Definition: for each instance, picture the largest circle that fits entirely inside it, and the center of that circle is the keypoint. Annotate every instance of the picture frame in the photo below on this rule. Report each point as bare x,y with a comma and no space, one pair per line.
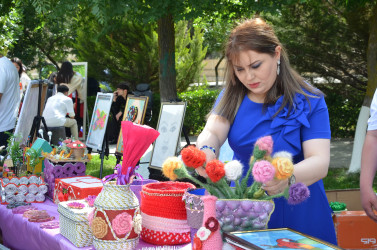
134,111
98,124
82,69
279,238
170,122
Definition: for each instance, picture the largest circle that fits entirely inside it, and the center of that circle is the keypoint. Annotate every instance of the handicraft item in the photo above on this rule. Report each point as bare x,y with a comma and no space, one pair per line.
164,214
74,225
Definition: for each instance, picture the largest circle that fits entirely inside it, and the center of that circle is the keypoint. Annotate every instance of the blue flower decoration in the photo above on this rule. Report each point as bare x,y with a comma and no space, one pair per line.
286,125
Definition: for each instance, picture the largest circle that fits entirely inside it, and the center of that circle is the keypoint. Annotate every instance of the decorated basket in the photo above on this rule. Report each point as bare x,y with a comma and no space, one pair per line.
74,222
233,214
117,221
137,186
56,171
31,189
164,214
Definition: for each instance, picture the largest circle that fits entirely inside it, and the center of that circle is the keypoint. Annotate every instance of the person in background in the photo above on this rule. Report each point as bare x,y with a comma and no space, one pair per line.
75,82
264,96
9,98
57,107
117,109
369,164
24,78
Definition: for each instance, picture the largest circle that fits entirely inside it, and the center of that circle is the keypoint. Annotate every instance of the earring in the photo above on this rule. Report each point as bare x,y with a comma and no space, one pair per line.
278,69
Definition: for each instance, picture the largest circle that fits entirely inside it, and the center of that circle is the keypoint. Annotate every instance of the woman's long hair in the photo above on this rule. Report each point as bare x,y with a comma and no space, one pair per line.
65,73
19,62
257,35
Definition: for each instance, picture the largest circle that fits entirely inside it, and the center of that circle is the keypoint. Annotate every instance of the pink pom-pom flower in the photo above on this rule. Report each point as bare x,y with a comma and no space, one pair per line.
263,171
265,144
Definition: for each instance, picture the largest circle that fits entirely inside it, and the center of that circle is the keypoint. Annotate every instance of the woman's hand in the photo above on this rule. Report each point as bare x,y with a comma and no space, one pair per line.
210,155
275,186
369,203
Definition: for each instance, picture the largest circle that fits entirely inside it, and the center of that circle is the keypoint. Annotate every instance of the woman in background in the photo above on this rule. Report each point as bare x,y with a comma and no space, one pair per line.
24,78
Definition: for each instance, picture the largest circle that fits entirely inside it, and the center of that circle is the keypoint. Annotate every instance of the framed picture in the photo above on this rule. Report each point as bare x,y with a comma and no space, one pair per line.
99,119
134,111
169,125
82,68
280,238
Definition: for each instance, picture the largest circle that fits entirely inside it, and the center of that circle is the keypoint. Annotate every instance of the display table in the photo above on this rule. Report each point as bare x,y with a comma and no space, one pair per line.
20,234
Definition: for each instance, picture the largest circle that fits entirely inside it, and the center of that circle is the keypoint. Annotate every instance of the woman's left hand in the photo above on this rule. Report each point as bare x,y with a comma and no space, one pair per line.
275,186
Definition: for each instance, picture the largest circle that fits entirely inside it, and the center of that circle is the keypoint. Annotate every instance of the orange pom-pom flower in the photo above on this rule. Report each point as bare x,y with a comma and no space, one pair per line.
193,157
215,170
168,167
283,166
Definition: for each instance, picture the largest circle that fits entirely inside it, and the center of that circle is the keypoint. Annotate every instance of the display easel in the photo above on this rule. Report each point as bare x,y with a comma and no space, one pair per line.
102,153
38,118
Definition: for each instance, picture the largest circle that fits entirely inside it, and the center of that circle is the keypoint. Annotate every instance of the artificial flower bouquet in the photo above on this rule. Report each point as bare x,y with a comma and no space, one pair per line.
263,167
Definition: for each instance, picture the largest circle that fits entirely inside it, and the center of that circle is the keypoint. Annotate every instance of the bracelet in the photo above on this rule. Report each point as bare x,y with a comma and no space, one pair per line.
211,148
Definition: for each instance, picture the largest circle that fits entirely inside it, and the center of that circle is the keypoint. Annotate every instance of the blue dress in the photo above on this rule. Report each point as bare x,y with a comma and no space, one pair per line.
309,121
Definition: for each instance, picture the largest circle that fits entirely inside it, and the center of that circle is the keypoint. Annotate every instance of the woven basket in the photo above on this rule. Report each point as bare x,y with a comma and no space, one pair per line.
115,200
74,224
164,213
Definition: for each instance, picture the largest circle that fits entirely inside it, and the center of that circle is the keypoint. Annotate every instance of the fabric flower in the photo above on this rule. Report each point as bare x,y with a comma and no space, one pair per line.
193,157
283,154
298,192
212,224
203,233
283,167
168,167
265,144
263,171
137,223
215,170
285,124
233,170
99,227
197,244
122,223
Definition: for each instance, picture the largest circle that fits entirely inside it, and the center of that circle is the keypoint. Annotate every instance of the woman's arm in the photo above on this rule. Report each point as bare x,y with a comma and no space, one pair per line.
213,135
313,168
368,172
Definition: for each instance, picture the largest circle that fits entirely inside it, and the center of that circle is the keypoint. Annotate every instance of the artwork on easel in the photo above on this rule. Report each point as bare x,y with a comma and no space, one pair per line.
134,111
99,120
169,125
29,109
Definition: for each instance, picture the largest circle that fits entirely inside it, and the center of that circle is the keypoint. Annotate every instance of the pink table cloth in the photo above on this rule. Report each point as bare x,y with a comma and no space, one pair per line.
20,234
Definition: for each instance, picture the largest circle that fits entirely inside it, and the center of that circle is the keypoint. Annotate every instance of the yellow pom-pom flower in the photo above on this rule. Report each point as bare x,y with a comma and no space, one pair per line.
169,165
283,166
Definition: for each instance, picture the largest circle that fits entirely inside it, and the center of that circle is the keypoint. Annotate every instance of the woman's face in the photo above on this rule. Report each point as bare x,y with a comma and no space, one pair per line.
257,72
17,67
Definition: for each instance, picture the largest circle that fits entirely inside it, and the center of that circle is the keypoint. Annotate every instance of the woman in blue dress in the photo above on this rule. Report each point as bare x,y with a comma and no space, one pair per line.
265,96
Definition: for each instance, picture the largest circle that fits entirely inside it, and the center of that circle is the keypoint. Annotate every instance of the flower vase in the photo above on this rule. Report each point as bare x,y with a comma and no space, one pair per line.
116,222
236,214
194,210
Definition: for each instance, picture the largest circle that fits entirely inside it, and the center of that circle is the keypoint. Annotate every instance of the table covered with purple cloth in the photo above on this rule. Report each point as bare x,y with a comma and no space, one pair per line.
20,234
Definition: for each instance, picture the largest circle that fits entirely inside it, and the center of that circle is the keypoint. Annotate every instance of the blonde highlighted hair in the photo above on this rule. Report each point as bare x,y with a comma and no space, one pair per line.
255,34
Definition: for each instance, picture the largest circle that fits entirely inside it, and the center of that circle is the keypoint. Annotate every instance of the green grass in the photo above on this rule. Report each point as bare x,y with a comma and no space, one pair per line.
93,167
339,178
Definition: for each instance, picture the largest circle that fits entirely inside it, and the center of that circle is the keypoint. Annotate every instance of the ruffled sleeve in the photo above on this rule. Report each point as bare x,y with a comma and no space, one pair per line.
286,125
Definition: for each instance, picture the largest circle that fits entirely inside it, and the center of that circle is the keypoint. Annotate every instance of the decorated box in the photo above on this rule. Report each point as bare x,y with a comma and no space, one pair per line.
74,225
58,170
76,188
24,189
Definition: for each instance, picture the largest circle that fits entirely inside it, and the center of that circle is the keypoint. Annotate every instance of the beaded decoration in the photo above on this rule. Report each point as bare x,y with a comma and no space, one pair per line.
23,209
76,205
208,147
49,225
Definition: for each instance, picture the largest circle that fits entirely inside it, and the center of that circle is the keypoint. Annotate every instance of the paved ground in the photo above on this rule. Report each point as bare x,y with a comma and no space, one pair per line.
341,150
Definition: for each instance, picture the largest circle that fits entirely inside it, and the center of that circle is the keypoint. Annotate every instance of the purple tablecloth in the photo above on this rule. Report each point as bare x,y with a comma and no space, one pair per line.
19,234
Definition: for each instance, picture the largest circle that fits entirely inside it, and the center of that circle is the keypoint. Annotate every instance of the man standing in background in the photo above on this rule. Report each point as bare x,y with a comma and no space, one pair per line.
9,98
